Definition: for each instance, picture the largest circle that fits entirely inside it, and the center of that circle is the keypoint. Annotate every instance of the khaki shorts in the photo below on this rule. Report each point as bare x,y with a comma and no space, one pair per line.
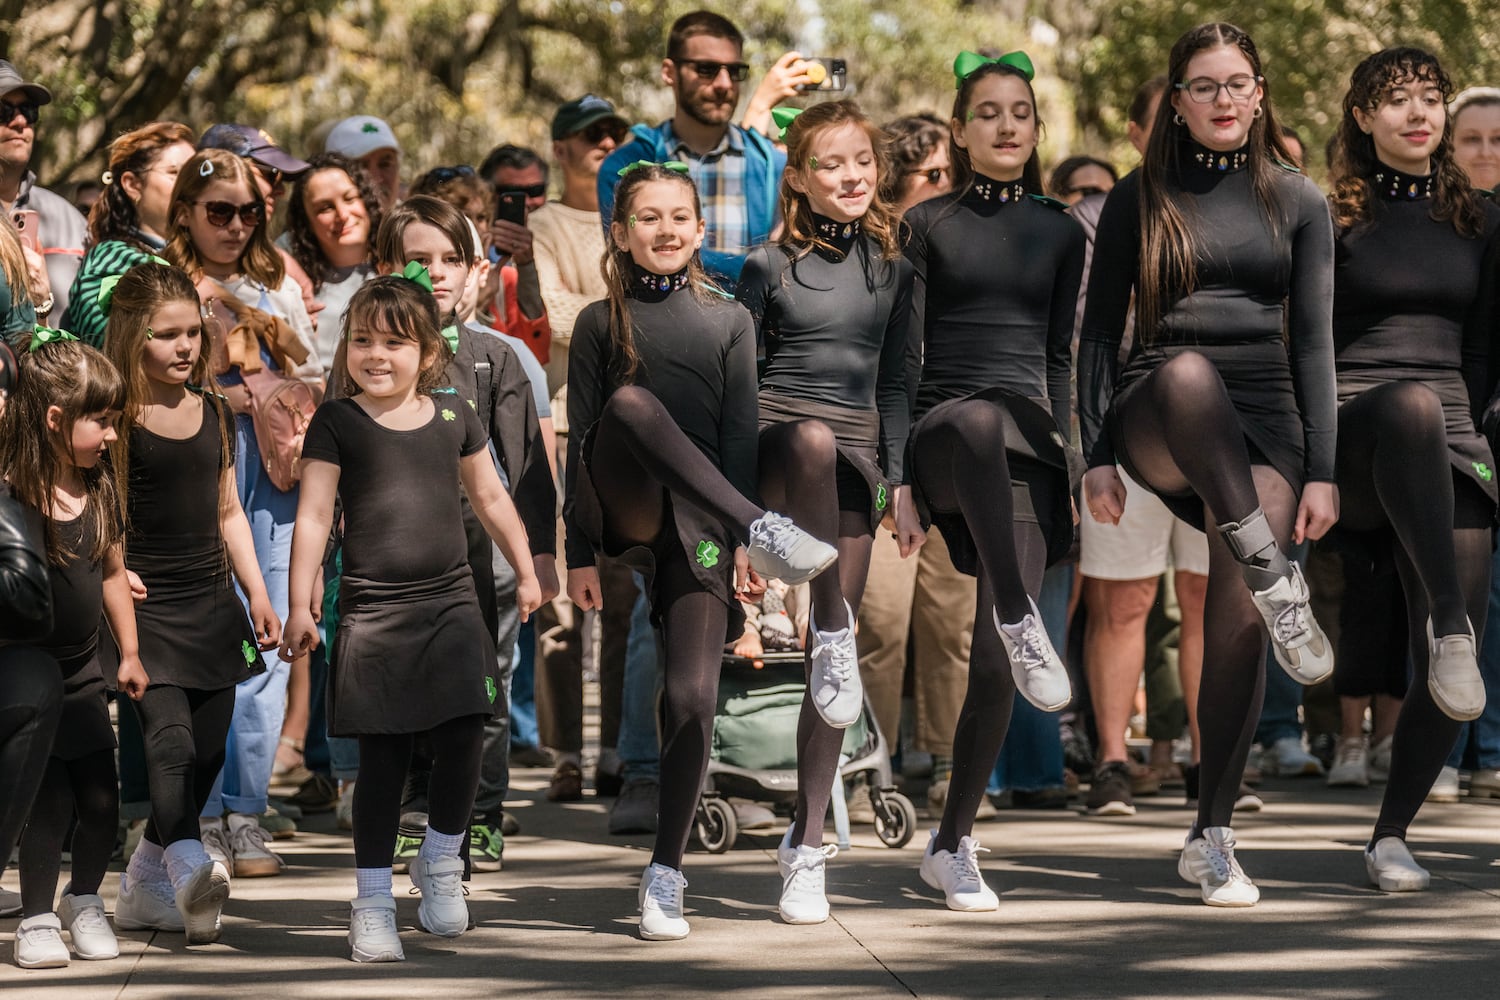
1148,539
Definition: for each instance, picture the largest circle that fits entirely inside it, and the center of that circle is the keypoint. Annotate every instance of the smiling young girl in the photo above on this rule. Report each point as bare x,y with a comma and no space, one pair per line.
831,303
661,397
53,436
412,654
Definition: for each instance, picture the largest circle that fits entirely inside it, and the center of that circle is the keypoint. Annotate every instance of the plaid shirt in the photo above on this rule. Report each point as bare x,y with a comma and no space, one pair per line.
720,176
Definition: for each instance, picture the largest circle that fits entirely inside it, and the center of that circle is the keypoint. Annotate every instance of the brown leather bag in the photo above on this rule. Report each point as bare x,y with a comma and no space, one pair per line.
280,409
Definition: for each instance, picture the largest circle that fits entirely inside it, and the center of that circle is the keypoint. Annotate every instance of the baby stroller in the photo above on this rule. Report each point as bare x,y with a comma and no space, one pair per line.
754,752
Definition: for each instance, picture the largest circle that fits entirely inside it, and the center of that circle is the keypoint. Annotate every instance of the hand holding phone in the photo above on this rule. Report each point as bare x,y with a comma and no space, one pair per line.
825,74
28,223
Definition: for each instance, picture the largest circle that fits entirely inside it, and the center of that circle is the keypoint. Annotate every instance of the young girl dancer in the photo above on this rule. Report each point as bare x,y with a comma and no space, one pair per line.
1412,353
831,303
661,396
988,461
1228,252
54,434
412,655
174,469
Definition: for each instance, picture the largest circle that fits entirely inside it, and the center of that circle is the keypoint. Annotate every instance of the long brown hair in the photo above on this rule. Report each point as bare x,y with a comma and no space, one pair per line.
81,382
397,305
1169,247
1354,157
114,215
881,220
260,261
960,165
617,260
13,261
304,245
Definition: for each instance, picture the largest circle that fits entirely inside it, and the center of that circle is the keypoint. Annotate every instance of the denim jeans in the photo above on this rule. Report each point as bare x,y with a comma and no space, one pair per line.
639,747
1478,745
523,730
1031,757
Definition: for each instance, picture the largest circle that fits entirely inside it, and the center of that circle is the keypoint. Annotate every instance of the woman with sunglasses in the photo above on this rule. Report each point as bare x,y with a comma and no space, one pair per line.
919,161
218,236
1225,406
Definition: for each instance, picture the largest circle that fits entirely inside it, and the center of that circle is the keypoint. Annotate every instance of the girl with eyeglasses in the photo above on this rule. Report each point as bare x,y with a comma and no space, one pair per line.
1225,406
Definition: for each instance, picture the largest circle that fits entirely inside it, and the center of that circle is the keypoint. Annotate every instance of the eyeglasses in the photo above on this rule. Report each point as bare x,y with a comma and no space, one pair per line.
270,175
28,110
738,71
220,213
599,131
934,175
534,191
1205,90
441,175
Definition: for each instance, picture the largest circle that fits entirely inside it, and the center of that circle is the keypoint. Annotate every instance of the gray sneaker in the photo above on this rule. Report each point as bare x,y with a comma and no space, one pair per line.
779,550
635,810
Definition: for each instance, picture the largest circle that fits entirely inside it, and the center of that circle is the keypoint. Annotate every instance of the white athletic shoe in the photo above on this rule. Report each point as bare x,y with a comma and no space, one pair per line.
1445,788
1453,675
1391,867
1351,764
803,898
1380,759
442,911
837,692
1286,758
660,902
372,930
10,903
1039,674
83,918
779,550
215,839
200,901
1209,863
956,873
1298,641
147,905
39,943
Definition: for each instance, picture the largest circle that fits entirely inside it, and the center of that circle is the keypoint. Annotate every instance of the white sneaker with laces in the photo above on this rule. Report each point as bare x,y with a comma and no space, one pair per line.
372,930
1445,788
779,550
1208,862
147,905
1453,674
83,918
660,902
1391,867
39,943
956,873
1286,758
803,897
200,901
253,857
442,911
1351,764
837,692
1298,641
1039,674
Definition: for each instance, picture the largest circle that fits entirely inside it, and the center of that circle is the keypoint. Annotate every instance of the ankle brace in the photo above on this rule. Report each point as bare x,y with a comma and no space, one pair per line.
1254,547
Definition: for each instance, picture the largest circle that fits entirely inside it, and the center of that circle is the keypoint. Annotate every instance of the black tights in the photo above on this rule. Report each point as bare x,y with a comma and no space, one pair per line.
799,478
383,762
1179,432
183,731
86,786
30,705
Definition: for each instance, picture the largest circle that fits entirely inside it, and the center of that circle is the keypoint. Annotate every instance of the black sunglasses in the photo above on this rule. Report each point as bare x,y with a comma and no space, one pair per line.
219,213
28,110
599,131
738,71
534,191
271,175
933,174
442,175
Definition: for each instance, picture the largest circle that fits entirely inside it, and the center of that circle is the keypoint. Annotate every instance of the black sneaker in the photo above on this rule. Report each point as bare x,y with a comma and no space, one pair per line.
1109,792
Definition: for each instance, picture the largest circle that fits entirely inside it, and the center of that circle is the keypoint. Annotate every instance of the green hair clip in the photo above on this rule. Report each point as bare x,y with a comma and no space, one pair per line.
968,63
783,117
417,274
674,165
47,335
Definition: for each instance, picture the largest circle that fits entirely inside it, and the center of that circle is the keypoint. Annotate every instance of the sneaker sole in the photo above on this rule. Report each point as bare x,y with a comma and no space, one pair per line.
1445,798
1207,892
1458,713
1483,792
800,921
256,868
446,930
396,955
792,581
1397,883
60,962
203,906
486,864
1113,808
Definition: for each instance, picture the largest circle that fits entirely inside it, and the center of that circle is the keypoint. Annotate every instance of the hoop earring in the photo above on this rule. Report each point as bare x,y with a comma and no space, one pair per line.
1178,120
1257,112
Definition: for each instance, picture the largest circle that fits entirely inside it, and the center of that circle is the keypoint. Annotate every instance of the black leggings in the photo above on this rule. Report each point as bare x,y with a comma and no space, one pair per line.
799,477
85,786
183,731
30,705
961,465
1179,433
383,761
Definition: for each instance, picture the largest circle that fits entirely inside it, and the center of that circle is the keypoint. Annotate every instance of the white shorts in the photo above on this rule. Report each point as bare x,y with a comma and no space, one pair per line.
1148,539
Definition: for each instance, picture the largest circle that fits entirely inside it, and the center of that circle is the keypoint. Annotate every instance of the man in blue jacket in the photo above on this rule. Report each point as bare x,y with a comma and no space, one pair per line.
738,171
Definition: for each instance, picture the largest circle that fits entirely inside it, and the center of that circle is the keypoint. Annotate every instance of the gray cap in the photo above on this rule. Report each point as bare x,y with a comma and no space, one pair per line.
11,79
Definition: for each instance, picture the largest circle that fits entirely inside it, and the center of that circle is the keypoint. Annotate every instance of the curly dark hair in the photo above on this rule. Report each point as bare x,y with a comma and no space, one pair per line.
305,246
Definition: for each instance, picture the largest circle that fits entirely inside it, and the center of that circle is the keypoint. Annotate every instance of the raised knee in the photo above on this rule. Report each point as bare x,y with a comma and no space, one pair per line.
172,746
1189,373
630,404
811,441
1411,408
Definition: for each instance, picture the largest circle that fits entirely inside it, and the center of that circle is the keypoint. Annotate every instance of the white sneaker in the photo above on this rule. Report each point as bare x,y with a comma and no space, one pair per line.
343,813
1445,788
39,943
147,905
1391,867
200,901
837,692
1298,641
1286,758
660,902
253,857
779,550
216,842
1209,863
1453,675
957,874
83,917
1039,674
10,903
1380,759
442,911
1351,764
803,899
372,930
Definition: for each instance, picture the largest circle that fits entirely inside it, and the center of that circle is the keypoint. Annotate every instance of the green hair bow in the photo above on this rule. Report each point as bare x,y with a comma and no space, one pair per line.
967,62
47,335
108,282
417,274
783,117
675,165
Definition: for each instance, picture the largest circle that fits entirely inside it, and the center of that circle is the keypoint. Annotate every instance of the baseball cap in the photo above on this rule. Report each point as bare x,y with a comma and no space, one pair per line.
359,136
11,79
575,116
255,144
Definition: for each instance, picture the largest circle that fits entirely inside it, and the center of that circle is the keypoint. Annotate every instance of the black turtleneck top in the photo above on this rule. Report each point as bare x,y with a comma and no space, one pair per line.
832,324
1260,309
995,289
697,356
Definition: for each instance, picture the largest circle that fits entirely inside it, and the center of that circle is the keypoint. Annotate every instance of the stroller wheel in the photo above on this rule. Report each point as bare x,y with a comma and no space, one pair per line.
895,819
717,828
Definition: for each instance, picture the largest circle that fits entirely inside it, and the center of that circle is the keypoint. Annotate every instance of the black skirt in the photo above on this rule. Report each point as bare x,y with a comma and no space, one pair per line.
862,487
195,635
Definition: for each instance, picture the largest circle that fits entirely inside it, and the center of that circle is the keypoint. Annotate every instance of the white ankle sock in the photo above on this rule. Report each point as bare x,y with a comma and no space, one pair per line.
183,857
147,863
440,845
373,881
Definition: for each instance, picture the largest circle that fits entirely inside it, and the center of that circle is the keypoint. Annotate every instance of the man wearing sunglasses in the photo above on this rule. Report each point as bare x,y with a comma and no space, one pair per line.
737,170
61,230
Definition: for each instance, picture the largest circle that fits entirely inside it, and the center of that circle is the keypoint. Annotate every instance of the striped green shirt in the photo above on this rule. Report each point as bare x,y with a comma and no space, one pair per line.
83,318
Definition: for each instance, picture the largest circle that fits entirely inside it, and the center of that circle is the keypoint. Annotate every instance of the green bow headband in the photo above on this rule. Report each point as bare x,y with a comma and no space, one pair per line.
47,335
968,62
108,282
783,117
675,165
417,274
